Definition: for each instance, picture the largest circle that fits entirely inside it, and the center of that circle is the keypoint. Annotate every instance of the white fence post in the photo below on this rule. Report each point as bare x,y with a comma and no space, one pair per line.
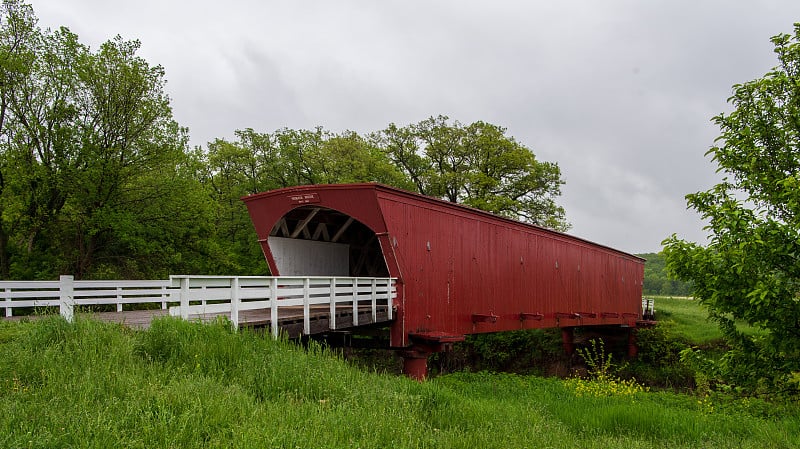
389,291
66,297
355,301
119,299
374,293
9,309
273,306
185,298
164,294
235,303
306,308
332,320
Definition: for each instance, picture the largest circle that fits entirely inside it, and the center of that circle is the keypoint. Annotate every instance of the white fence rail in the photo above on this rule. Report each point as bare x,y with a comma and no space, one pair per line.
67,293
191,296
206,295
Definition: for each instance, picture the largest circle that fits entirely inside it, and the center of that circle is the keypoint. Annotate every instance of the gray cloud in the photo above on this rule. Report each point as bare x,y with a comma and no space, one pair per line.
620,94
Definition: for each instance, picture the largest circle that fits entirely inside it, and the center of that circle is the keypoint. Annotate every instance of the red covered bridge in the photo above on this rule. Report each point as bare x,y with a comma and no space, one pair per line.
459,270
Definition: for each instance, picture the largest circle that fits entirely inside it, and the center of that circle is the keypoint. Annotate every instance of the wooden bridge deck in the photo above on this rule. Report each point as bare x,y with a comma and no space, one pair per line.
290,319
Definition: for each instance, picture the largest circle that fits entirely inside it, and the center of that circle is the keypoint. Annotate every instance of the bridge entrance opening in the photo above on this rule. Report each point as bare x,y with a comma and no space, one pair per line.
317,241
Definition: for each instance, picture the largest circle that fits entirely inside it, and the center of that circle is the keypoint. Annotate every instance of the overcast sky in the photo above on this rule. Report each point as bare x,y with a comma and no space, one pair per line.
619,93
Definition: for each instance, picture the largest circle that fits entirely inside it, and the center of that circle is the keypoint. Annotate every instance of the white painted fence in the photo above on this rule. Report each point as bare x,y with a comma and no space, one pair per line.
206,295
192,296
67,293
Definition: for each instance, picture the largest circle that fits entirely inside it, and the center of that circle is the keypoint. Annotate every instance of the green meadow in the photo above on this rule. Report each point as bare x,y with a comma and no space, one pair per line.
690,319
180,384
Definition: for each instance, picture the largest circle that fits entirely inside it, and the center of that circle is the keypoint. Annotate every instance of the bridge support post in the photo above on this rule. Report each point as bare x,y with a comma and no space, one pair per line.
633,348
415,357
568,339
415,364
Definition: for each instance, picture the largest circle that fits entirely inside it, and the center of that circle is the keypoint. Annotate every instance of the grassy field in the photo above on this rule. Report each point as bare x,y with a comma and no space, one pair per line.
180,384
690,319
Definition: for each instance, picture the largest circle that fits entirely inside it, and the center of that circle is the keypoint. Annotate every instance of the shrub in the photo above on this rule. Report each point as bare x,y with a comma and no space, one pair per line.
659,362
602,374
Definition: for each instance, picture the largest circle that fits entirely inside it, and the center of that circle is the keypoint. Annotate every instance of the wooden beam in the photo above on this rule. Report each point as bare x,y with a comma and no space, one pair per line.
341,230
484,318
302,225
321,231
280,226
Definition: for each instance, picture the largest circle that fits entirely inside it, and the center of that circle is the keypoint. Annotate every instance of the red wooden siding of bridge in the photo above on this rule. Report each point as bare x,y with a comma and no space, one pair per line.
459,270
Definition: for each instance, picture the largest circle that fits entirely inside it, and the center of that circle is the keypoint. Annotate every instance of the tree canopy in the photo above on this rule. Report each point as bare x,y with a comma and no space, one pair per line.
750,269
92,164
477,165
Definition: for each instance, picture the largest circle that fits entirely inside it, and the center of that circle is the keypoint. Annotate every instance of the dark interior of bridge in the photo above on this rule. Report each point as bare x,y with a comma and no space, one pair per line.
327,225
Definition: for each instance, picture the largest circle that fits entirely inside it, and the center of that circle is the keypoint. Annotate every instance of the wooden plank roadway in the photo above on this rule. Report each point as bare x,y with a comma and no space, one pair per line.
290,319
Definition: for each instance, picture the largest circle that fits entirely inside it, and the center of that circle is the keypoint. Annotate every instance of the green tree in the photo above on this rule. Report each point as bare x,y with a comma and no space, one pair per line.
750,269
290,157
348,158
403,148
125,178
18,35
39,142
231,172
95,175
477,165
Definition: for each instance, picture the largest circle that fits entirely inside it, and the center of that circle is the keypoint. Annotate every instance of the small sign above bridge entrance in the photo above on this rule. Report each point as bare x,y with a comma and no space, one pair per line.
305,198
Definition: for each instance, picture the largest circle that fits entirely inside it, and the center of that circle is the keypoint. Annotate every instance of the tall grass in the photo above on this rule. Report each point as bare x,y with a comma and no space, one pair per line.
181,384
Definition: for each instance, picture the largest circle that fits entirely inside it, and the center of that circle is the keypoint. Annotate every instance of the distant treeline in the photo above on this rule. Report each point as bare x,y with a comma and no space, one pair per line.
656,280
